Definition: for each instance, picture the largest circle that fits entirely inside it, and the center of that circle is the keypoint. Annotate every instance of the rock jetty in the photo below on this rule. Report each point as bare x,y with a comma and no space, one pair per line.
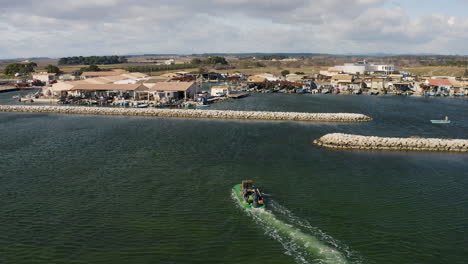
348,141
189,113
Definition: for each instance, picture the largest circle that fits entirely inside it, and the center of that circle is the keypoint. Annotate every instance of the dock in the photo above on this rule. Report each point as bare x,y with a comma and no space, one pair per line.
8,89
238,95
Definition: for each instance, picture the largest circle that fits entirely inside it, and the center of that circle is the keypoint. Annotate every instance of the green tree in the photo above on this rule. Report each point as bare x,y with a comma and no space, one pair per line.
215,60
52,69
285,72
300,73
23,68
196,61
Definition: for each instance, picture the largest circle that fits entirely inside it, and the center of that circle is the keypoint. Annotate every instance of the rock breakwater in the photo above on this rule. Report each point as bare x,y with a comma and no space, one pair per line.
188,113
348,141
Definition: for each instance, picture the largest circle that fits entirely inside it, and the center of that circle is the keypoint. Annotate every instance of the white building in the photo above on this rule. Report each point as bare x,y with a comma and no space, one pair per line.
220,90
351,68
294,77
44,77
173,90
169,62
363,67
382,68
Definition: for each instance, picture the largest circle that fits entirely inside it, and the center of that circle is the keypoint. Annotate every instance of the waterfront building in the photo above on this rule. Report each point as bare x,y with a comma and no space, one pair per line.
220,90
173,90
44,77
108,90
336,80
67,77
169,62
294,77
256,79
87,75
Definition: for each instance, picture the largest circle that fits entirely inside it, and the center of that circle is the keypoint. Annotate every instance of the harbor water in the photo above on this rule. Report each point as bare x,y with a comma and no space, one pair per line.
113,189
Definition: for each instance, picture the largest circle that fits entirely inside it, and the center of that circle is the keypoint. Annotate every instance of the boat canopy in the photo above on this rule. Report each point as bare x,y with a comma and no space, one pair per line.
247,184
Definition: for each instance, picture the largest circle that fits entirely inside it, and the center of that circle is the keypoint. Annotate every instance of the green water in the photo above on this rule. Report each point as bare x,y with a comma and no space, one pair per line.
97,189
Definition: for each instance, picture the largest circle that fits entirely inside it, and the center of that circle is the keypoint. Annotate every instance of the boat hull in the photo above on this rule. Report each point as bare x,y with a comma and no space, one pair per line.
440,122
237,192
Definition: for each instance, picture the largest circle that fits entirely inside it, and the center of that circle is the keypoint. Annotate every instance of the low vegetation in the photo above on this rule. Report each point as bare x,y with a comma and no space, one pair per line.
90,68
210,61
160,68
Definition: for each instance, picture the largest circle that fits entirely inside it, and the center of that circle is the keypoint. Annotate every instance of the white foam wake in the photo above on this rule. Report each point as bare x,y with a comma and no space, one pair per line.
300,240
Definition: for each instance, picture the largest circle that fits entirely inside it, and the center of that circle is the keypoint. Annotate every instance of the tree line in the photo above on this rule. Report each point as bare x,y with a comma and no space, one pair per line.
92,60
210,61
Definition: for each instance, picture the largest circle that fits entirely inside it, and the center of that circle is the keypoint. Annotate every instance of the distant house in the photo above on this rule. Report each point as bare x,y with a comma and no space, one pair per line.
169,62
173,90
338,79
256,79
44,77
87,75
153,80
132,78
330,73
436,87
294,77
57,89
67,77
120,78
441,83
220,90
270,77
459,87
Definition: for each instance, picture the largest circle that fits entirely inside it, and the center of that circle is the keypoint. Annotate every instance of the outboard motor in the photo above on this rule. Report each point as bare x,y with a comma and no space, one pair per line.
255,201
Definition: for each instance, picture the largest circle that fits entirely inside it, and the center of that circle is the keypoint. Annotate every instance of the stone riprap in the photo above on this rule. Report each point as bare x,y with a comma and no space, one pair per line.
189,113
348,141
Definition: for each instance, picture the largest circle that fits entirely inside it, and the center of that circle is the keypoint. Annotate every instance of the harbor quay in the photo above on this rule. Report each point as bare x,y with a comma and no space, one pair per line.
348,141
190,113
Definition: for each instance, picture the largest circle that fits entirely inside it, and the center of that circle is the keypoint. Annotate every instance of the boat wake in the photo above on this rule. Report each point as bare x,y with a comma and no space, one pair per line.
300,240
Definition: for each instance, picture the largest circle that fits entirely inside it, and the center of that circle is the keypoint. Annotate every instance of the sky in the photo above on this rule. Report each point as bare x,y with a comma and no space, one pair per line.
58,28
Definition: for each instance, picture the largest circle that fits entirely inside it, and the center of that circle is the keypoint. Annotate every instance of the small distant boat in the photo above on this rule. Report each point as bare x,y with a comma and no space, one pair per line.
202,106
248,195
141,106
445,121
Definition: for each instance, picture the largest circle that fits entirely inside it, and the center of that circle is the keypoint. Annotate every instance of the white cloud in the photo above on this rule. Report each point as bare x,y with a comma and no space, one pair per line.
66,27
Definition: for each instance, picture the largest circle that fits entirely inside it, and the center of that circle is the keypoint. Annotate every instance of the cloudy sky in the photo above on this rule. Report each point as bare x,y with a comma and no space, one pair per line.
57,28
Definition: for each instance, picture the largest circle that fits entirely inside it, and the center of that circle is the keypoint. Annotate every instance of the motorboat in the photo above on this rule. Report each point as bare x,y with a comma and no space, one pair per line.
248,195
445,121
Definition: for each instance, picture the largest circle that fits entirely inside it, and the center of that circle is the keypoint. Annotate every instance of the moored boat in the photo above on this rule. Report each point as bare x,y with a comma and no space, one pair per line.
248,195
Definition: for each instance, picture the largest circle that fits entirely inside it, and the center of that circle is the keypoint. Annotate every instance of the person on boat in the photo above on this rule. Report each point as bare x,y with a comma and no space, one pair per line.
251,198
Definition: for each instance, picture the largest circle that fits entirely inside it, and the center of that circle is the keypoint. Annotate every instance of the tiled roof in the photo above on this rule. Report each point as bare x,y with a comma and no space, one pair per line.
108,87
172,86
101,73
439,82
